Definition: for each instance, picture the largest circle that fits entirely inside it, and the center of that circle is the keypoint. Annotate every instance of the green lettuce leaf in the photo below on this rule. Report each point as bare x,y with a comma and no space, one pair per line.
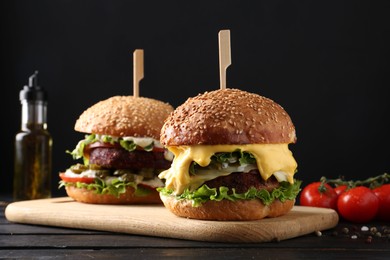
128,145
116,187
78,152
285,191
234,157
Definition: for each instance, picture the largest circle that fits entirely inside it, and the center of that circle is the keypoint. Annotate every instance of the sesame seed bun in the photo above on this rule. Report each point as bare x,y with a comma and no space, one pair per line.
89,196
226,210
125,116
228,116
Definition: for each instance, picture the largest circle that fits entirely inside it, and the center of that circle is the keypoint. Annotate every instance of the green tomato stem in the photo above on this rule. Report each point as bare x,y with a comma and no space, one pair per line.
371,182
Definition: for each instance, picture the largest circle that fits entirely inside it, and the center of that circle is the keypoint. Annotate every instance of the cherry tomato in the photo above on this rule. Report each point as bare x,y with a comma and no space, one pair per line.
340,189
358,204
383,194
76,179
312,196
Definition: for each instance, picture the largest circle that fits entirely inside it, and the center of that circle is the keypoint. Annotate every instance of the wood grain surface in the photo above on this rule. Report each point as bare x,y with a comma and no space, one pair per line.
155,220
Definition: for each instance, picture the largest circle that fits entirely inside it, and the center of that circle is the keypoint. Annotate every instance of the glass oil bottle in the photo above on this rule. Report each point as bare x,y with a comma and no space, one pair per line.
33,145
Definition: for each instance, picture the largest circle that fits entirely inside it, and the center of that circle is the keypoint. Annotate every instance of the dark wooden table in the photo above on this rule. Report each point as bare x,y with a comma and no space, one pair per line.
347,241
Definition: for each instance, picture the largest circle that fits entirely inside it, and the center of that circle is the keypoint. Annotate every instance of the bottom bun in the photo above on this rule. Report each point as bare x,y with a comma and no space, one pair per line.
227,210
89,196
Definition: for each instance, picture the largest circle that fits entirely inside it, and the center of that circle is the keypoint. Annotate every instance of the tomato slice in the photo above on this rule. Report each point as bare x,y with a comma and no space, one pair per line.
158,149
146,186
76,179
102,144
117,145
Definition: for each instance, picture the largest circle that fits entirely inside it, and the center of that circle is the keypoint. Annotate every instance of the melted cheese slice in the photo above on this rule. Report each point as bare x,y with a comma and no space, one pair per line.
270,158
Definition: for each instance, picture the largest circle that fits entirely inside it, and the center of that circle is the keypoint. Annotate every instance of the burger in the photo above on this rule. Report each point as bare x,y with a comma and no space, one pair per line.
231,158
121,152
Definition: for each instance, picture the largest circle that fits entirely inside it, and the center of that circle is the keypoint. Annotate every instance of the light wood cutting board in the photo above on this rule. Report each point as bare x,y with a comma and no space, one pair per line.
155,220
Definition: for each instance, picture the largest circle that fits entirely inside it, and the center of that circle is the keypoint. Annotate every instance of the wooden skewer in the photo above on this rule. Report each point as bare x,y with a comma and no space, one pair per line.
224,55
138,70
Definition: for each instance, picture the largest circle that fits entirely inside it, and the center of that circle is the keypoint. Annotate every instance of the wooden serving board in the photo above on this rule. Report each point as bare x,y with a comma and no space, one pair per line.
155,220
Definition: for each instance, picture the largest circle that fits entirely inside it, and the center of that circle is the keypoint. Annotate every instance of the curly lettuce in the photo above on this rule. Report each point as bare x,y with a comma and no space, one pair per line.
237,156
285,191
116,187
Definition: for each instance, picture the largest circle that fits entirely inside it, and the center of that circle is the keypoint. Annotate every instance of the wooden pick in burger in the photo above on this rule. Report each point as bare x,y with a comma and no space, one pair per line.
138,70
224,55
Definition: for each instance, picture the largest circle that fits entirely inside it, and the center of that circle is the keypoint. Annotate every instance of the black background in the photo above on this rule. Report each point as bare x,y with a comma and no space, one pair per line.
325,62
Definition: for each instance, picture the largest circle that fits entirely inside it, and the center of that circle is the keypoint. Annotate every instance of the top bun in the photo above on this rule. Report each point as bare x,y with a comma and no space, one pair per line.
125,116
228,116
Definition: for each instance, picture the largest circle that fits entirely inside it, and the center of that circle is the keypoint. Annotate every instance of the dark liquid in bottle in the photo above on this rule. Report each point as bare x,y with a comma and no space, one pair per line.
32,164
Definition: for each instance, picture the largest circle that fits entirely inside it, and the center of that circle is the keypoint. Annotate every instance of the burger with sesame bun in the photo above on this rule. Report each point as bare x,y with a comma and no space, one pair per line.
231,158
121,153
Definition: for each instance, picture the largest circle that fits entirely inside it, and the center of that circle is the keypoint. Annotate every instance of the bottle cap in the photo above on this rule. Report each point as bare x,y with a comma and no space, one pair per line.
33,92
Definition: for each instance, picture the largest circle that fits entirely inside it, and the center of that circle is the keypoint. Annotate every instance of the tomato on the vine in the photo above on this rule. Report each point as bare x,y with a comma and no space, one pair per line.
76,179
358,204
318,194
383,194
340,189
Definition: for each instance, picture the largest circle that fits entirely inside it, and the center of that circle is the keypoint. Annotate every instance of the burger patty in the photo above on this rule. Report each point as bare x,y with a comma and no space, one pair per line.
242,182
119,158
